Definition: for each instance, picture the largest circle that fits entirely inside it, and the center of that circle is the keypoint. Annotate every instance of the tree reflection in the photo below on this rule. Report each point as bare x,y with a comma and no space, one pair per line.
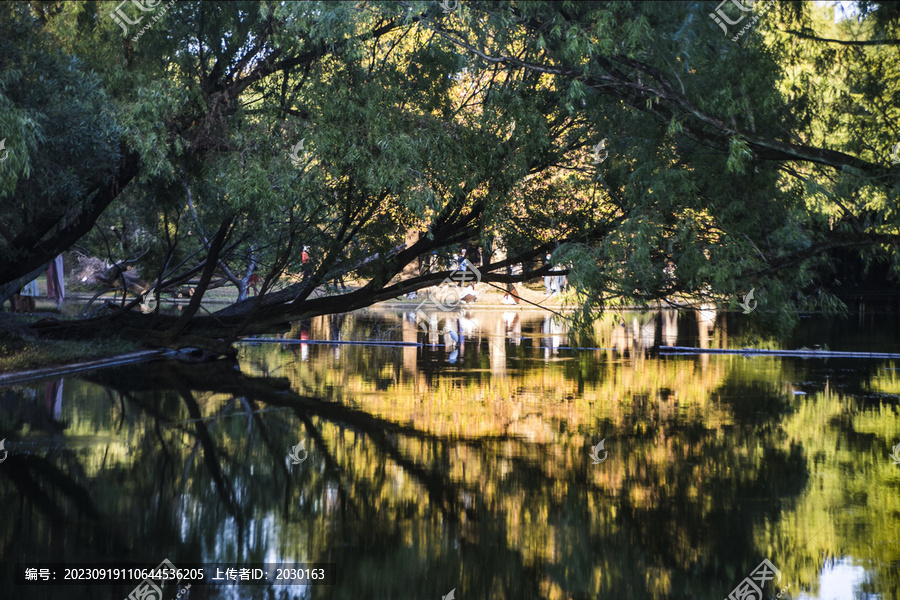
424,476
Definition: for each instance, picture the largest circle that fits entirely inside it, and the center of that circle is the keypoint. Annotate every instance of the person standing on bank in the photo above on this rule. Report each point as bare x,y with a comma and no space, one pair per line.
463,264
548,280
304,259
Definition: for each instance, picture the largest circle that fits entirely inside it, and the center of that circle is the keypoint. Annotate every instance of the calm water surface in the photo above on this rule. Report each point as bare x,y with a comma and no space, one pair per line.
468,466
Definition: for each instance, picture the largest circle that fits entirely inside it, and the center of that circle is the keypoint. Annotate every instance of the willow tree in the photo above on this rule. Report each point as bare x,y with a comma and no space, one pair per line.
631,139
62,160
215,126
737,162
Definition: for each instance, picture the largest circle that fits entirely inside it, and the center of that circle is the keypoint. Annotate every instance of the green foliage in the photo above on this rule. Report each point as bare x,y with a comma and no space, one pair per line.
728,166
59,127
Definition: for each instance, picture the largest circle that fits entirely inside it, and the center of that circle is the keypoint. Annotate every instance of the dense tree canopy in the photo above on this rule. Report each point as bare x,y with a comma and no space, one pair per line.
632,139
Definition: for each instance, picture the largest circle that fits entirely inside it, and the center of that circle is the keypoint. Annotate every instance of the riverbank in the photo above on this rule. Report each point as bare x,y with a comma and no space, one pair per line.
20,350
20,376
21,353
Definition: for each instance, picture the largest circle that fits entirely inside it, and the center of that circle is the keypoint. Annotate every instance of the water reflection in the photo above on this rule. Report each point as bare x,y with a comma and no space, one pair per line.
622,333
463,462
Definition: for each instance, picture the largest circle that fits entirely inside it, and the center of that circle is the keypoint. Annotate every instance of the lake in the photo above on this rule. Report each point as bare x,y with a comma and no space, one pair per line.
500,464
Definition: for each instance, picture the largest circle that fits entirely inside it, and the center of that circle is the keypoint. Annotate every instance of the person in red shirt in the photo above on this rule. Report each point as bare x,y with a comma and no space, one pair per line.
304,257
253,283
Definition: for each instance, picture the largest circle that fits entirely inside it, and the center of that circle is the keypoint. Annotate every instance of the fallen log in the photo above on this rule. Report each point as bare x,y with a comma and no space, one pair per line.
18,377
759,352
325,342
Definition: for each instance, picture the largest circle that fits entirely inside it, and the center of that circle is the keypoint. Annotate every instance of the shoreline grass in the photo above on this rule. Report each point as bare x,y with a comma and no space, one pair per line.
21,350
